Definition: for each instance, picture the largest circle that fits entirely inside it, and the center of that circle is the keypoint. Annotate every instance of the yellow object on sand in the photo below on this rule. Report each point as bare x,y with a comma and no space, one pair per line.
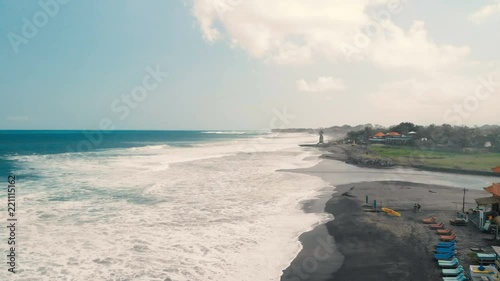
482,271
391,212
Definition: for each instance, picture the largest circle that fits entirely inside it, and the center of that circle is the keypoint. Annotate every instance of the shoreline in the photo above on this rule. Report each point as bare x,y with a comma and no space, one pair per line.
373,252
353,156
358,245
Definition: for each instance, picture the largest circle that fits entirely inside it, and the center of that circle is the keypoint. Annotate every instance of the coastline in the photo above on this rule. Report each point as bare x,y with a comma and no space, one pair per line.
359,245
354,156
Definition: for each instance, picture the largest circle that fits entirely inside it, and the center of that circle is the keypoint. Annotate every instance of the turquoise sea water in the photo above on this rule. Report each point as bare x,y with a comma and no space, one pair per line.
157,205
26,142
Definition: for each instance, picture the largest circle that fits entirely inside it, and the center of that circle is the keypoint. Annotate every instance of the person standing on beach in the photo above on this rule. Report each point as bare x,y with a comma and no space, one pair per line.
415,208
418,207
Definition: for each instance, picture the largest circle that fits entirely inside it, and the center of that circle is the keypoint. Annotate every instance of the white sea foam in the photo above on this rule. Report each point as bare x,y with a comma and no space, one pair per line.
150,147
224,132
216,211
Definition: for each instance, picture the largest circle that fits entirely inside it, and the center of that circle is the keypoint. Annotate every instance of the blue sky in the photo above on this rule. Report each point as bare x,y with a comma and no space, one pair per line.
235,68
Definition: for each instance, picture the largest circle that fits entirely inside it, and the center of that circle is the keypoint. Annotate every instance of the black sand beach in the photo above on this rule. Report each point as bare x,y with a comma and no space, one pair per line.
360,245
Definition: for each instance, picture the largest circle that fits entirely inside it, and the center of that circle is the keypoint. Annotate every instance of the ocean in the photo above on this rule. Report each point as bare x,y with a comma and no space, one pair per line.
157,205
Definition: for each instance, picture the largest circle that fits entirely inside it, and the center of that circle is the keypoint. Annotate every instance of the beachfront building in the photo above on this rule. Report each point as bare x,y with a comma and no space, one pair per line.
496,169
485,206
377,138
389,138
488,209
393,134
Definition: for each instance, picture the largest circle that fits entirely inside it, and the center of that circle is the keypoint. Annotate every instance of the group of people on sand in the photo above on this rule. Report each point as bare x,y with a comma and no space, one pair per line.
416,207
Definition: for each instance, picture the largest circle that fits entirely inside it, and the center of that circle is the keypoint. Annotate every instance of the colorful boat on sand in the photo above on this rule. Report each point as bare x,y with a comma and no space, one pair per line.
391,212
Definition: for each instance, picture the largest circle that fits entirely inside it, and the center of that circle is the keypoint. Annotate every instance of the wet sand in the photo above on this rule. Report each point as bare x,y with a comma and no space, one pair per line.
360,245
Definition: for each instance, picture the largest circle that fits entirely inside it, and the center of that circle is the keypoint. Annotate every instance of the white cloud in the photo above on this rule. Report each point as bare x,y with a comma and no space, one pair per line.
484,13
443,98
409,93
205,12
322,84
302,32
413,49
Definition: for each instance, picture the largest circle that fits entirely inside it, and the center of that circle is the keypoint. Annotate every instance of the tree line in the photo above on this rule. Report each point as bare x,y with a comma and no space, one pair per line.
437,135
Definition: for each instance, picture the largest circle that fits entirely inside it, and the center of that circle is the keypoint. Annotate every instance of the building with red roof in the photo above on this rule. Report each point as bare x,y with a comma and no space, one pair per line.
393,134
494,189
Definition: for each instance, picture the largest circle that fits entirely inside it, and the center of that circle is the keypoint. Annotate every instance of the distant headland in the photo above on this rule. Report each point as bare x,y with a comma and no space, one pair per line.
443,148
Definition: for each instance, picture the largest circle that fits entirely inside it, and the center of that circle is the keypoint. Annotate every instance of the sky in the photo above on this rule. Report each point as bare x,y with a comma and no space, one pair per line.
247,64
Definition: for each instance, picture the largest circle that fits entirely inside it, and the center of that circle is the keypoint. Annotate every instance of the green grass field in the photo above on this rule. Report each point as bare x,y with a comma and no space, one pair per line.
442,159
